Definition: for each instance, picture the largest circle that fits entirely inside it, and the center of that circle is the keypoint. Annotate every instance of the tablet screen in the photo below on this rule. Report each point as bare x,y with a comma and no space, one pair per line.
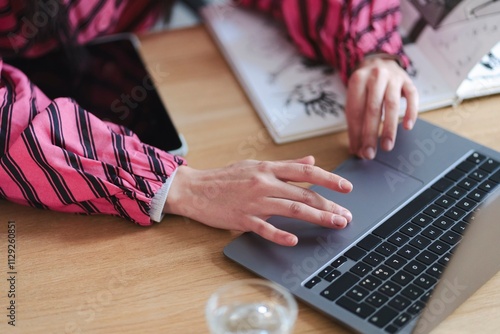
107,78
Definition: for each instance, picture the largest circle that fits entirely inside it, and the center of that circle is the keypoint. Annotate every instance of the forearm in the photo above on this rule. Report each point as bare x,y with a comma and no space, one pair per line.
339,32
57,156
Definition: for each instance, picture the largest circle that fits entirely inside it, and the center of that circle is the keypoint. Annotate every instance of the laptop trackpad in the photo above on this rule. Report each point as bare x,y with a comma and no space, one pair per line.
378,189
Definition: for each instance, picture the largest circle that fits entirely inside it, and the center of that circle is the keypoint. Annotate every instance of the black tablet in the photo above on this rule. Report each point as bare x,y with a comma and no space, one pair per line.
109,79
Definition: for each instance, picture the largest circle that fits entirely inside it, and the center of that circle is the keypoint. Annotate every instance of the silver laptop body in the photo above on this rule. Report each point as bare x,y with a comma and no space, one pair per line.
387,204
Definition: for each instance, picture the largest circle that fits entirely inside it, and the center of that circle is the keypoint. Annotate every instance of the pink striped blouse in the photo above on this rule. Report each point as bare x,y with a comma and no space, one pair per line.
55,155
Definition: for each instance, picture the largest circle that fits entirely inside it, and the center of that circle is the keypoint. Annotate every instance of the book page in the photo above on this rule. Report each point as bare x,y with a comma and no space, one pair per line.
467,33
294,97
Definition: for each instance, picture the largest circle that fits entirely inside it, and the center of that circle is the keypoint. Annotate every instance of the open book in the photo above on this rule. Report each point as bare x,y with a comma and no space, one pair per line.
454,56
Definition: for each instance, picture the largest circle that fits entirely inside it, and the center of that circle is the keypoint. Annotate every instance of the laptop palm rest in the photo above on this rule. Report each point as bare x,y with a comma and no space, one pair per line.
378,190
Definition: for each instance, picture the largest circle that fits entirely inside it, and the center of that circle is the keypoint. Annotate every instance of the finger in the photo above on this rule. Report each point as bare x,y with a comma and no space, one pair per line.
411,94
372,116
271,233
296,172
354,107
301,211
392,106
307,197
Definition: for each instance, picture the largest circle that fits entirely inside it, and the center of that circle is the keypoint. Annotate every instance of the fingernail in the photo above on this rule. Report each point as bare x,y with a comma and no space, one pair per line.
369,153
292,240
409,124
345,185
347,214
387,144
339,221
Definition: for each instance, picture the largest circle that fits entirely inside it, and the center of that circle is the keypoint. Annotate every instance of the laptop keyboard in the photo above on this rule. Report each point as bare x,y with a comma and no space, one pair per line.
387,277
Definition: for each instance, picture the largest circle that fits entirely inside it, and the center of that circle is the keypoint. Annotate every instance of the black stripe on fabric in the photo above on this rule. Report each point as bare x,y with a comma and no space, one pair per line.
155,163
304,14
89,18
378,17
6,115
2,194
16,174
85,133
384,39
7,9
141,16
112,177
355,11
53,177
320,23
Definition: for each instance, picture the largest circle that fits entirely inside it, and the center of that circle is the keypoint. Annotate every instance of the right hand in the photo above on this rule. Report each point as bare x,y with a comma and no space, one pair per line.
243,195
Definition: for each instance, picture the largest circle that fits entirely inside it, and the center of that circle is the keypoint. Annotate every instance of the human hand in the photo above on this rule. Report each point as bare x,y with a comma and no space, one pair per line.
374,91
243,195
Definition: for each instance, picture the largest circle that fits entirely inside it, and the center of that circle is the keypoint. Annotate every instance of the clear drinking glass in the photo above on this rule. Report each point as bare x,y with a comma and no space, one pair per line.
251,306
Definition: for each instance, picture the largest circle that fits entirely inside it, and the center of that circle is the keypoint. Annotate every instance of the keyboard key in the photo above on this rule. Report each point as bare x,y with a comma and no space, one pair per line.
410,229
409,210
312,282
373,259
416,308
325,271
443,223
383,316
455,174
377,299
389,288
487,185
402,278
399,302
436,270
425,281
369,242
339,286
433,210
478,175
489,165
338,262
467,184
477,195
362,310
398,239
432,232
361,269
395,262
496,177
439,247
402,320
355,253
414,267
466,204
466,166
451,237
386,249
456,192
408,252
427,257
420,242
412,292
358,293
445,201
370,282
455,213
442,185
383,272
459,227
332,275
476,158
445,259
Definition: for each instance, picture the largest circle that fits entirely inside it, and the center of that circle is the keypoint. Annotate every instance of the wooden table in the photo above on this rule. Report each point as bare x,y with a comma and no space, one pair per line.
99,274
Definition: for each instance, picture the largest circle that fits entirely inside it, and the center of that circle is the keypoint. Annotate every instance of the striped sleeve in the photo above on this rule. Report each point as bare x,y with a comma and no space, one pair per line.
339,32
55,155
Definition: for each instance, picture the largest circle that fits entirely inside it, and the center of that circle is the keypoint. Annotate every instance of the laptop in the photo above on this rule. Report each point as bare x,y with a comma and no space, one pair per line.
417,211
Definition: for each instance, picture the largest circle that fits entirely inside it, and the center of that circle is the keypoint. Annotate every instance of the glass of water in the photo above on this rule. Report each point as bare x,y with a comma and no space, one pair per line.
251,306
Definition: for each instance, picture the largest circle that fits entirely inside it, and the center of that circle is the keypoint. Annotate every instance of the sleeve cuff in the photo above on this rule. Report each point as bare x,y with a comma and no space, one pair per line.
158,202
